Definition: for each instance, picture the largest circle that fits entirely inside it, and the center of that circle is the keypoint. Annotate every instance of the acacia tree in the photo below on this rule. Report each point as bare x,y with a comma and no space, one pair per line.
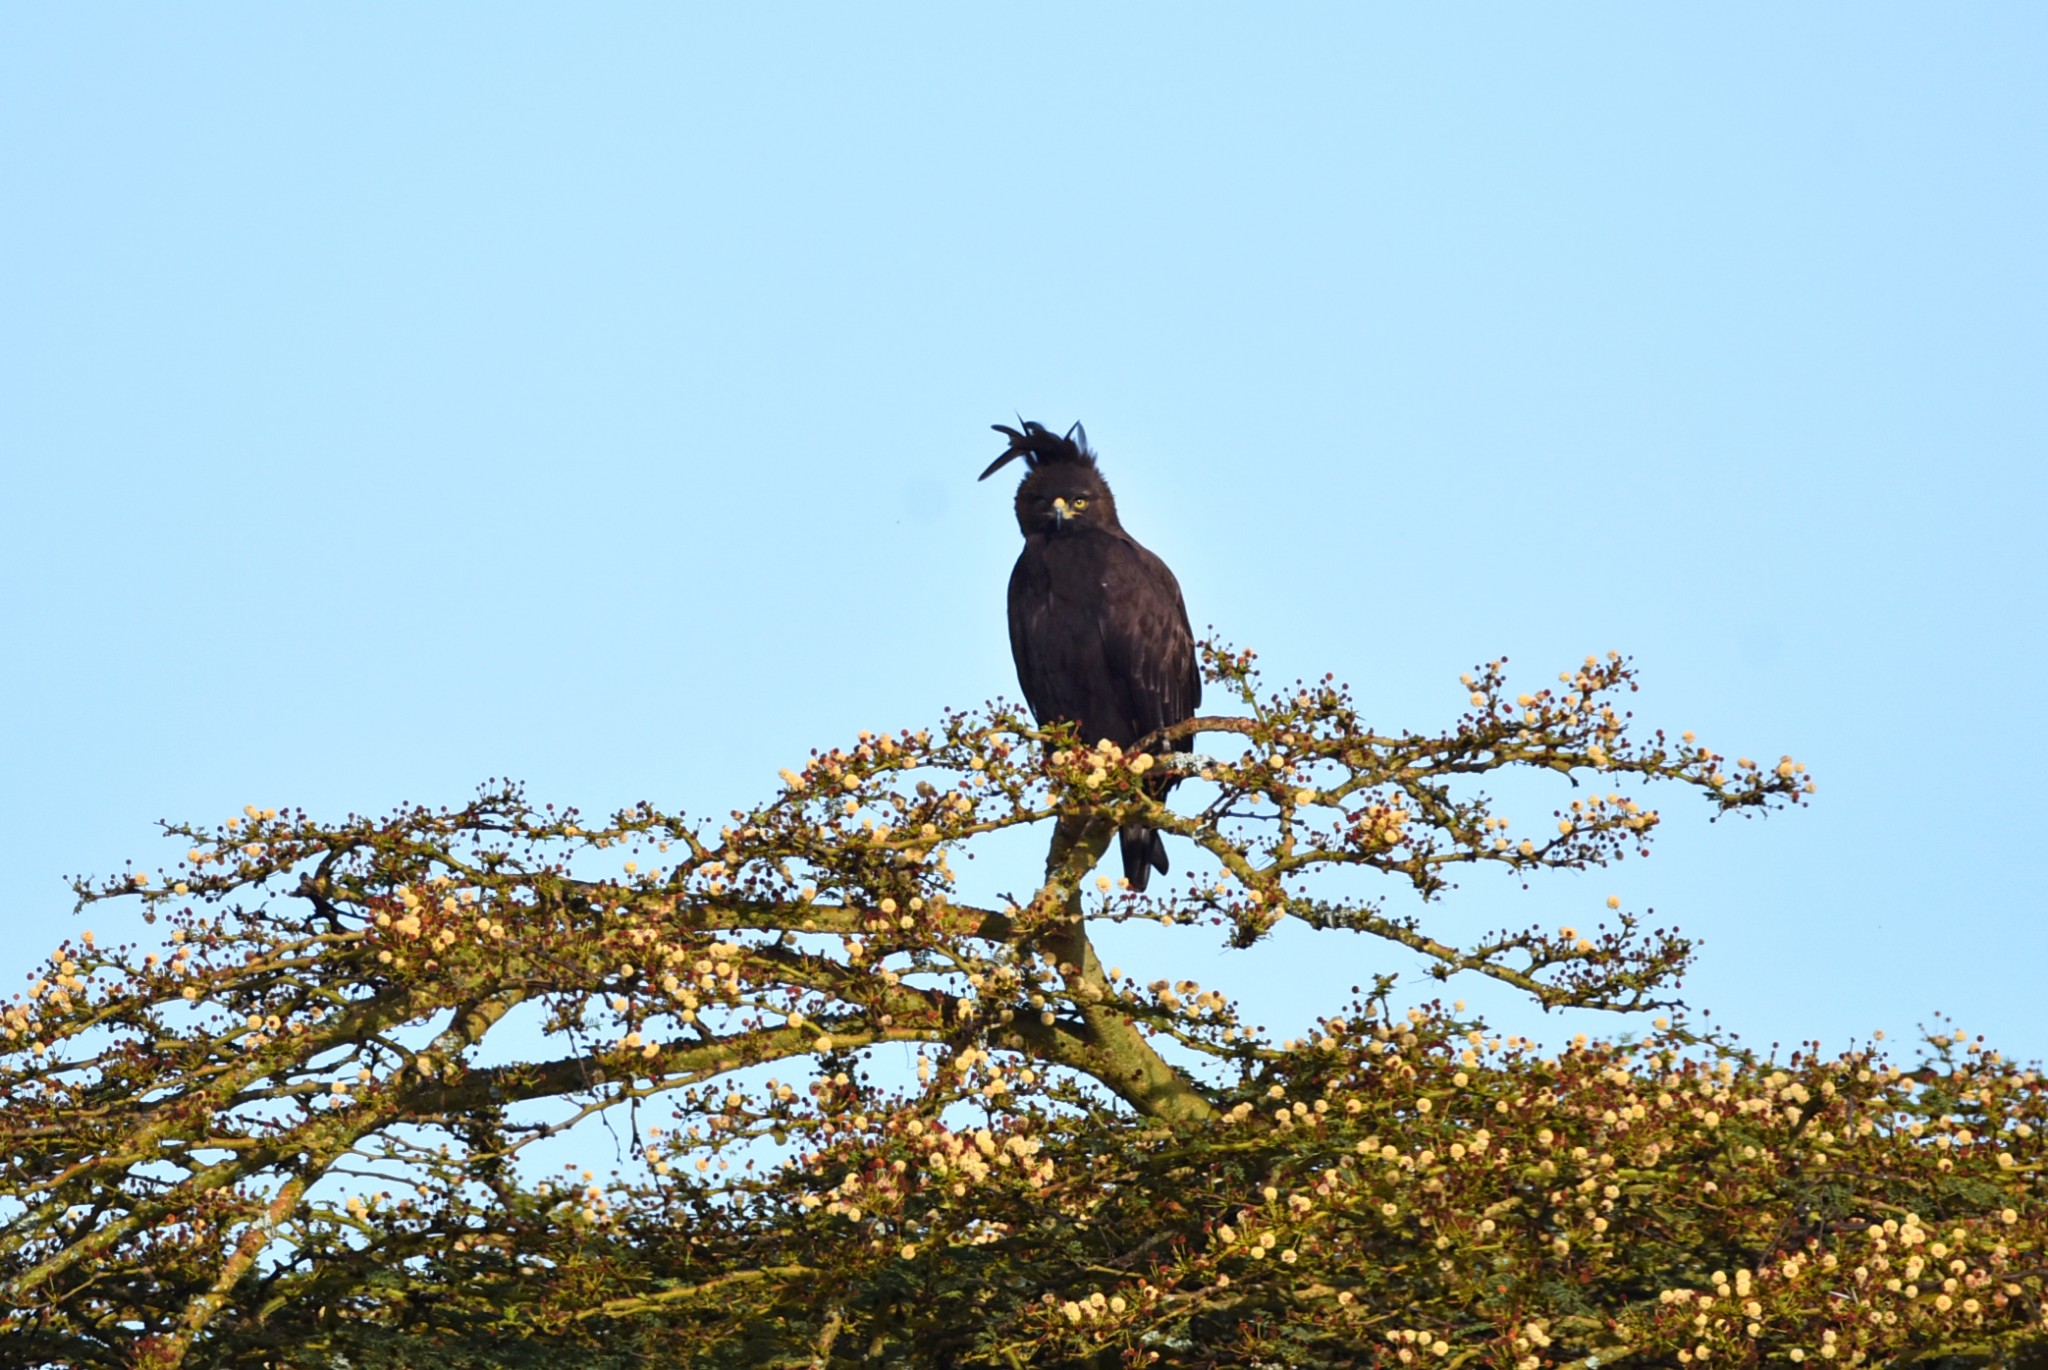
295,1132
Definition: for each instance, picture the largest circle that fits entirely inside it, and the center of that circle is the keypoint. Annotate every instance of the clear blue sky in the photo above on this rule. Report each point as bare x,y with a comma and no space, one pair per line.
392,397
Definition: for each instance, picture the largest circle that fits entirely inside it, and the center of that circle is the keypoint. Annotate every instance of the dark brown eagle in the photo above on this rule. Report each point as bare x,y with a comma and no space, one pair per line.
1097,626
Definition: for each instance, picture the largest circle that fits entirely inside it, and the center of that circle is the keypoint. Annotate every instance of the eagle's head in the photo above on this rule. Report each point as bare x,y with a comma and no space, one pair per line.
1063,491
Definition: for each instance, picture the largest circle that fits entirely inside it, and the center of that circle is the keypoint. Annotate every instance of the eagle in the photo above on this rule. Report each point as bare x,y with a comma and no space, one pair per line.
1097,627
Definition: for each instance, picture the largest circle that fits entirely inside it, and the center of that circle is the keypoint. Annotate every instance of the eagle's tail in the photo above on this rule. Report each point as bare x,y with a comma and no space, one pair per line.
1144,852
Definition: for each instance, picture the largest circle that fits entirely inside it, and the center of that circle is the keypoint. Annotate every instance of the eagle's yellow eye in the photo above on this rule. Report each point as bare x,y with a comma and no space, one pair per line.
1079,504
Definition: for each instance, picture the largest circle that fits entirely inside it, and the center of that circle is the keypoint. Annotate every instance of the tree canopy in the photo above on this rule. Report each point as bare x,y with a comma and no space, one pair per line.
296,1131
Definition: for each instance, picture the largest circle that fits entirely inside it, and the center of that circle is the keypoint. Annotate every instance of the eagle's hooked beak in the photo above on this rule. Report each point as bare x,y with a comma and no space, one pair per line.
1059,511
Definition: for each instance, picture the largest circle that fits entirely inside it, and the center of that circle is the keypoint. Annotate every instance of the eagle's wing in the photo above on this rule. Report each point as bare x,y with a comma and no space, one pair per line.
1148,646
1150,653
1028,611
